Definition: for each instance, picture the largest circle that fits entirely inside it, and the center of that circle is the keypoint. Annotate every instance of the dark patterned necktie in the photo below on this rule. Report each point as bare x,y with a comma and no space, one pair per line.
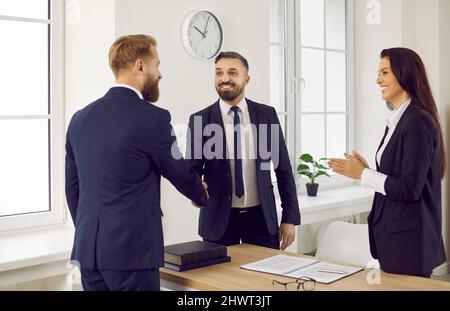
239,181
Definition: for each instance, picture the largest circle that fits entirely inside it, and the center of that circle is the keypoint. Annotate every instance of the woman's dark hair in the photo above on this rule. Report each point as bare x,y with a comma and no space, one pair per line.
408,68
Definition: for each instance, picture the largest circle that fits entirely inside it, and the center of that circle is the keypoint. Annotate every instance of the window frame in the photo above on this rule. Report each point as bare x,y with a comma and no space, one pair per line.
289,96
292,69
57,212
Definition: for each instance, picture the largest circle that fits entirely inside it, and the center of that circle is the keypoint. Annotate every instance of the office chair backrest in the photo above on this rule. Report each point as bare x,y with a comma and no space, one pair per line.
346,243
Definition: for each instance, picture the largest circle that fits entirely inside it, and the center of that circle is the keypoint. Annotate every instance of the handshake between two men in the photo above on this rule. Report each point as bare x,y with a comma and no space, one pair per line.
119,146
205,186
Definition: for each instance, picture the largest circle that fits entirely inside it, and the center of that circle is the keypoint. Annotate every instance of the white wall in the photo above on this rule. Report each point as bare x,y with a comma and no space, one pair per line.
188,84
370,40
89,34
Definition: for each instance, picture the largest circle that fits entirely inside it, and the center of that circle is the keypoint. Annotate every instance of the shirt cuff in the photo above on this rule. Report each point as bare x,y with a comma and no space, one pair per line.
374,180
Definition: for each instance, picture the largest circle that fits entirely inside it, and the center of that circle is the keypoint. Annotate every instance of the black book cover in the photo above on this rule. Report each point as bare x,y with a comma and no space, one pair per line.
192,252
198,264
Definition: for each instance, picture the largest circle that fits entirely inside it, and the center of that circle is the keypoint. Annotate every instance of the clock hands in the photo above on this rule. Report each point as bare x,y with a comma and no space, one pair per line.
206,27
203,34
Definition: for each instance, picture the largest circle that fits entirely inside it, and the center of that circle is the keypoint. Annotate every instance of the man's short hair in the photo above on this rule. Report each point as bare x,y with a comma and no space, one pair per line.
127,49
234,55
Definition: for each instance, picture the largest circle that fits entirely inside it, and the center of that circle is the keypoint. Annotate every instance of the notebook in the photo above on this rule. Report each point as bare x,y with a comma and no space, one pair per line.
297,267
198,264
193,252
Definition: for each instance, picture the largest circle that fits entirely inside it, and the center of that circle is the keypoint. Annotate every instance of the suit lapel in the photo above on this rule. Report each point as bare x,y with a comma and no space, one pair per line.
381,143
216,118
385,165
376,161
254,120
384,161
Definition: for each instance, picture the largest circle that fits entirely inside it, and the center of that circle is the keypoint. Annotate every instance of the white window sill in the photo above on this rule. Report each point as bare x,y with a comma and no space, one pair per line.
333,203
35,254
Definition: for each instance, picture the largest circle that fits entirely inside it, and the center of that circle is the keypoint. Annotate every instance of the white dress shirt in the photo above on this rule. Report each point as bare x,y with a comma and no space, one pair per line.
131,88
251,192
373,179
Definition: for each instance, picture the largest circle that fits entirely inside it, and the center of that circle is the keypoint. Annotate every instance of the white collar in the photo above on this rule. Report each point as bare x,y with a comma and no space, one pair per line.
131,88
396,115
225,108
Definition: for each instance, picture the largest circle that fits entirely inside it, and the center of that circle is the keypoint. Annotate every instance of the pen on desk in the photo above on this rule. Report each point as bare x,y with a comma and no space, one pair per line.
330,271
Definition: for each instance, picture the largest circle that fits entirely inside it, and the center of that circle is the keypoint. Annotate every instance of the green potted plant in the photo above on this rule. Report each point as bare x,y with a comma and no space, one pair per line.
311,169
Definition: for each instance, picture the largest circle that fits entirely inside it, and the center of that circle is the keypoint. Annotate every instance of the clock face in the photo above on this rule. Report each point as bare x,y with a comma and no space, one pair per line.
202,35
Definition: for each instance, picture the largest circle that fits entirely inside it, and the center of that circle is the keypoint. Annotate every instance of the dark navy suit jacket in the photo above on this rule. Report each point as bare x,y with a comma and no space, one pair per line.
117,149
405,225
214,217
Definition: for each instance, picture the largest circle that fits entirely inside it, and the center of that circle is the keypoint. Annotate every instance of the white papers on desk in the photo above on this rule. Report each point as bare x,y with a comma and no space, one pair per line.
297,267
280,264
324,272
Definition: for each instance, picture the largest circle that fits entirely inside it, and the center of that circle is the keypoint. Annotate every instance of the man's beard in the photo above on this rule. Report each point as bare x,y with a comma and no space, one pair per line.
151,90
229,95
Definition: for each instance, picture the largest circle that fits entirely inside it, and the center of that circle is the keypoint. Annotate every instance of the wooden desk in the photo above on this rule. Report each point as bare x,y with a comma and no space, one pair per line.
229,276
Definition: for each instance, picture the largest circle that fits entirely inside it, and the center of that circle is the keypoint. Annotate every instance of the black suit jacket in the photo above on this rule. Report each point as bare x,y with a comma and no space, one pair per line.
116,151
215,216
405,225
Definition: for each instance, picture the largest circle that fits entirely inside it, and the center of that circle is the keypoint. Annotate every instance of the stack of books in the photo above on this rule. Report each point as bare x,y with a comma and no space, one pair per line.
194,254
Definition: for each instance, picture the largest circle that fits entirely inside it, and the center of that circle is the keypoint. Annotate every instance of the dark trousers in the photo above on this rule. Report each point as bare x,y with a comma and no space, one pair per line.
248,225
106,280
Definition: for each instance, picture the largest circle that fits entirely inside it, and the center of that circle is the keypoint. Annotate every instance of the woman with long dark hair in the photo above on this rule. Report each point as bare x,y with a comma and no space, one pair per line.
405,223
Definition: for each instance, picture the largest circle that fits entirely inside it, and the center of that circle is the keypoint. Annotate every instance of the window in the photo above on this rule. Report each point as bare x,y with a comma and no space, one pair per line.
311,77
278,51
31,113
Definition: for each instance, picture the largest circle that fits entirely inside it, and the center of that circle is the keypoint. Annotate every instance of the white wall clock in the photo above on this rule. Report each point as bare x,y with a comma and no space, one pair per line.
202,35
